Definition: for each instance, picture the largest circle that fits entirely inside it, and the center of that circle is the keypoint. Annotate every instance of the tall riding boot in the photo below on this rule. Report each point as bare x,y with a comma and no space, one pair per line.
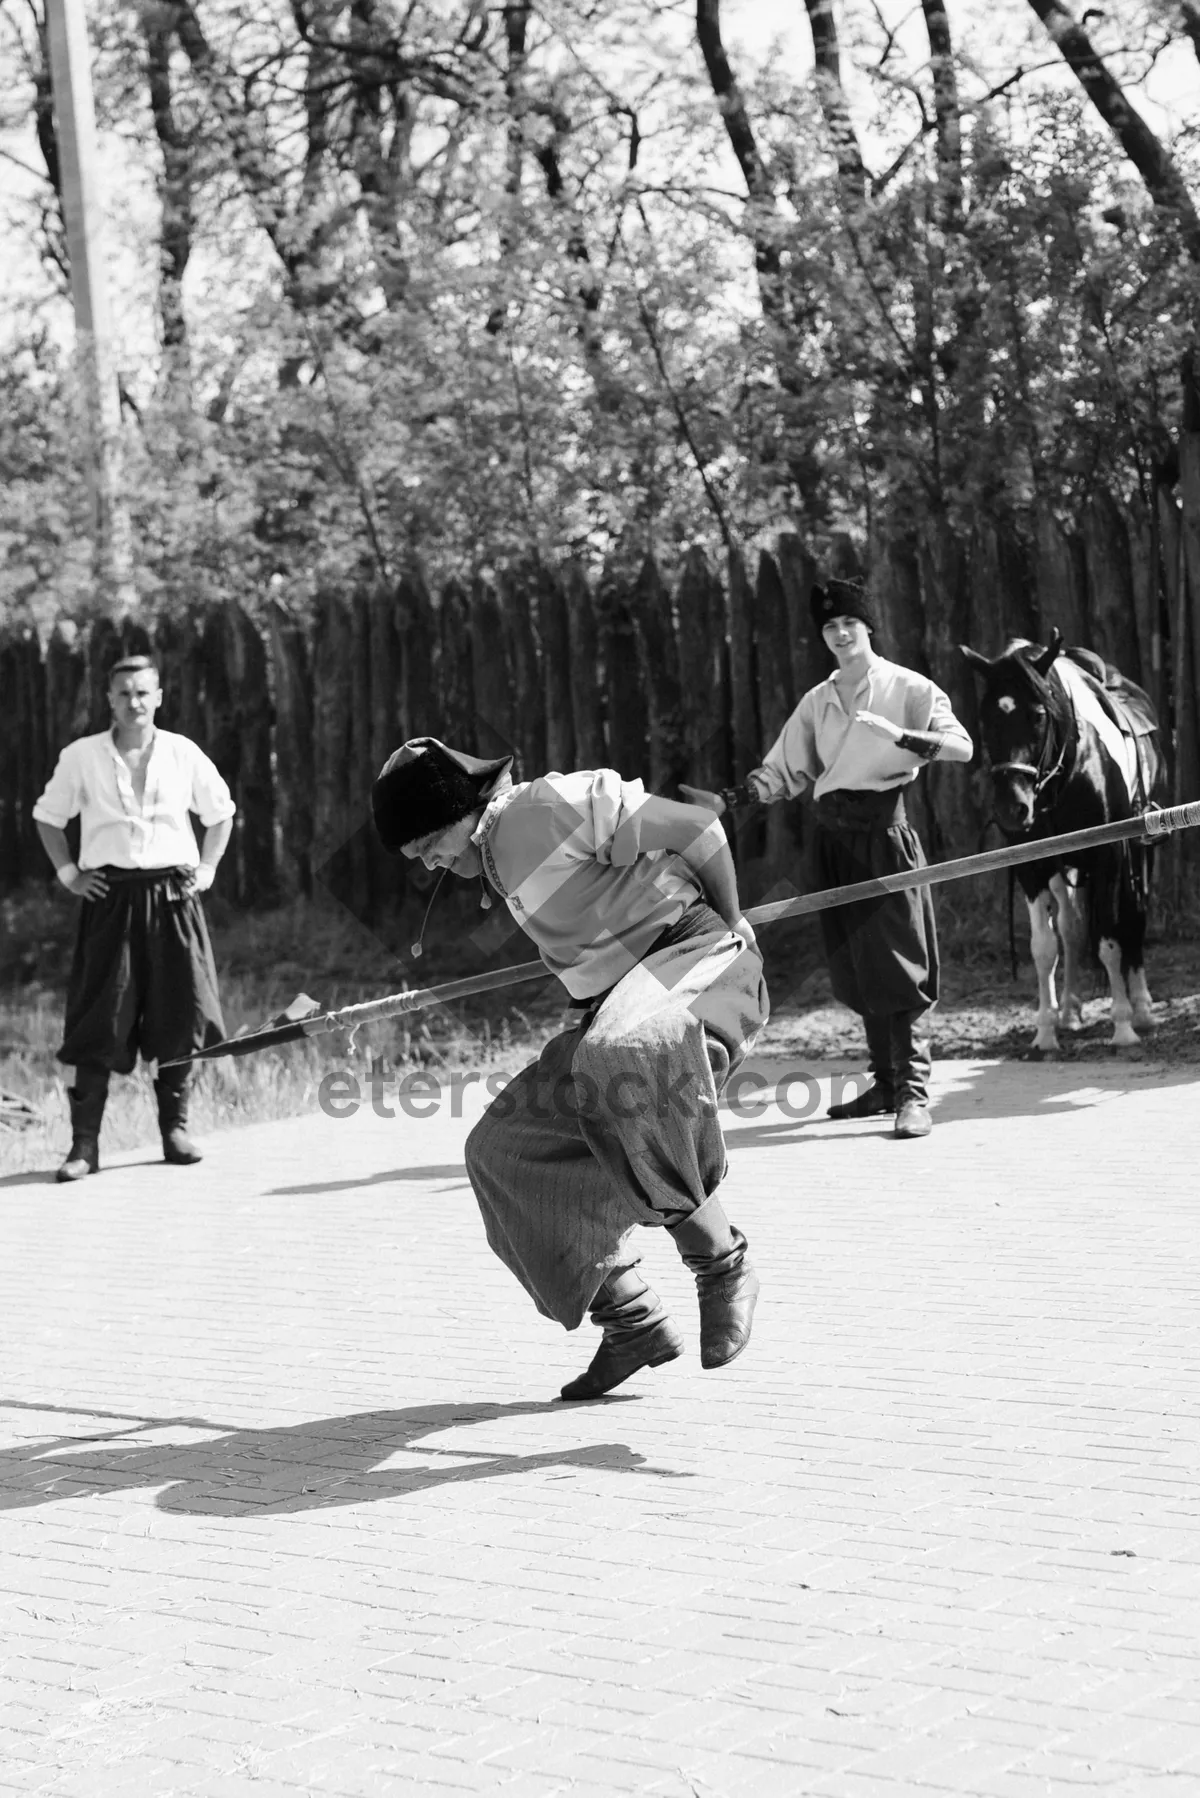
880,1097
637,1333
715,1250
87,1100
171,1090
912,1060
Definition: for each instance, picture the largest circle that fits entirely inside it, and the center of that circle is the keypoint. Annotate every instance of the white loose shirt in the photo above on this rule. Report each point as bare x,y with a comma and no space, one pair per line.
92,781
824,745
565,853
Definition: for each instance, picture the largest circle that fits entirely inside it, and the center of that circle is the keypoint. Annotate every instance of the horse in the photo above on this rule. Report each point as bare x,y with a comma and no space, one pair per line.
1070,742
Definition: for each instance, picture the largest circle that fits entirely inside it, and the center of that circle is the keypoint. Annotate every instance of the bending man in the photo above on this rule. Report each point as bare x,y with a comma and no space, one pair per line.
143,976
857,741
632,903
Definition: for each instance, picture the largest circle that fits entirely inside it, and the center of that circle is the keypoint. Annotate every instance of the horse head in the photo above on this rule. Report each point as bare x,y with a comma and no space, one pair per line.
1021,719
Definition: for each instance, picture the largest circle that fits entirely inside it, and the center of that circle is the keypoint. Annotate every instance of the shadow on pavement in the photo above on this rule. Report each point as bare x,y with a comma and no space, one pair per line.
311,1466
34,1177
451,1170
1001,1090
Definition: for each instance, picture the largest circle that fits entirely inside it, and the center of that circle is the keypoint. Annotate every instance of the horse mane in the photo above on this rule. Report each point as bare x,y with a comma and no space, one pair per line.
1019,652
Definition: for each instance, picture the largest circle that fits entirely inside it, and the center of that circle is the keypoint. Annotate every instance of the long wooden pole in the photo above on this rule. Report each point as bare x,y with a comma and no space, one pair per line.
75,123
1151,825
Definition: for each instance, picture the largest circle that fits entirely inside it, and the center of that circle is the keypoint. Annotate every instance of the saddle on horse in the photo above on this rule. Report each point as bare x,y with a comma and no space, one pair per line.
1128,706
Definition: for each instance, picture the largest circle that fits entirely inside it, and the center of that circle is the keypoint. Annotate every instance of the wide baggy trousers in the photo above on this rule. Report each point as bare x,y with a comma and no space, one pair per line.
882,953
615,1125
142,977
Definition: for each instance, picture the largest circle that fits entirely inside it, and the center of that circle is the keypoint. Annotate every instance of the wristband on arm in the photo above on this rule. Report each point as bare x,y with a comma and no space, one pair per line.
925,743
67,872
733,797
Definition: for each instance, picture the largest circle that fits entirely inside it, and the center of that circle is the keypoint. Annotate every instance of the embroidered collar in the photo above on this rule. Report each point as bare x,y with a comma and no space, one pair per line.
481,837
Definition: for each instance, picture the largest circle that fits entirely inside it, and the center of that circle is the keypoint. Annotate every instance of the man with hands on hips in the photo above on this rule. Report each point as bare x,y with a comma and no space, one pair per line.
142,977
855,742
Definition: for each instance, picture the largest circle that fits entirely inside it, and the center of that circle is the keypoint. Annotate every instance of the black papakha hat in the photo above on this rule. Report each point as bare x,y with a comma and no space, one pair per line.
425,787
840,598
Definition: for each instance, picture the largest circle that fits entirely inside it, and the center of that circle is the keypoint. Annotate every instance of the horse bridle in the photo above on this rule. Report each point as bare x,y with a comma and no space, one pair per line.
1042,776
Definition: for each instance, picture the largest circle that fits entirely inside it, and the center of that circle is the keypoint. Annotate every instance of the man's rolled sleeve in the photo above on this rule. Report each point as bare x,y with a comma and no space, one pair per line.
211,800
790,765
63,797
939,717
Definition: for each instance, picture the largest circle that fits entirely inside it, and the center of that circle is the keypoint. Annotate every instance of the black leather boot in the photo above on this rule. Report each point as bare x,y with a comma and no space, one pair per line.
637,1333
912,1061
715,1250
87,1099
171,1091
880,1097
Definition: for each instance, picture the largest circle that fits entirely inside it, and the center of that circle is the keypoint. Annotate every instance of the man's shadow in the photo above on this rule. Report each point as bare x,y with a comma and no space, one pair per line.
311,1466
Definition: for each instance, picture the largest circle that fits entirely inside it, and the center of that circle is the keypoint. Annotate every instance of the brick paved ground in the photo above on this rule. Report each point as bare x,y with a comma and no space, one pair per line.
288,1508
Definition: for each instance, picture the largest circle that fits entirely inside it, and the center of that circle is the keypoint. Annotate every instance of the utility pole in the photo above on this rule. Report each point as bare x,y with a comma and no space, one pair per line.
75,120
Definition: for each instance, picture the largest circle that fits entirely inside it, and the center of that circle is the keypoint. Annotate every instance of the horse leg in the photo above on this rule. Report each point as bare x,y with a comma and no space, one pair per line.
1072,929
1139,993
1124,1036
1134,937
1043,941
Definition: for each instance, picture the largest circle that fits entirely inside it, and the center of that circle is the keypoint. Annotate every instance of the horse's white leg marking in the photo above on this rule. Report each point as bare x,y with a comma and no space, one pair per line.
1072,929
1139,993
1044,944
1124,1036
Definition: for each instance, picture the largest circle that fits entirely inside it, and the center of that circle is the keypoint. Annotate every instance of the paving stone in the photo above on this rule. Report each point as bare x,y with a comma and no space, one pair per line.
290,1506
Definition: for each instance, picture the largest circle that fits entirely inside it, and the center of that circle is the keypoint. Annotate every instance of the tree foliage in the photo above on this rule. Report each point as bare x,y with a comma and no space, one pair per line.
491,281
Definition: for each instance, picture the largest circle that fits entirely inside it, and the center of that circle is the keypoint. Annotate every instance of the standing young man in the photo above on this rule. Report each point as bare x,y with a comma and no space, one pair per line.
143,976
632,903
856,742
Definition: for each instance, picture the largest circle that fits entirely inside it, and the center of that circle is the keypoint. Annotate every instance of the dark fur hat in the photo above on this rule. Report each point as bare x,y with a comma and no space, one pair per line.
426,787
841,599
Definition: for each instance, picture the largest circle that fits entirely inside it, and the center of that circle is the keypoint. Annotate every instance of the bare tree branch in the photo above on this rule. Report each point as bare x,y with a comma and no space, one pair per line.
1152,159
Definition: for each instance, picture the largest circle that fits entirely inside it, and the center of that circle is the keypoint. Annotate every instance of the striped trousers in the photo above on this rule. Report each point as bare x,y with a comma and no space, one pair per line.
616,1124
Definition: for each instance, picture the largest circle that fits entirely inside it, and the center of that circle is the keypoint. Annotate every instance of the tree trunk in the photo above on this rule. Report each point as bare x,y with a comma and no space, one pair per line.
1188,691
1154,163
947,114
834,106
175,200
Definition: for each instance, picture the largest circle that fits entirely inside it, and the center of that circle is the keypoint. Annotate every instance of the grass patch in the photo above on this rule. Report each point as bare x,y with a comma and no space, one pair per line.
263,961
